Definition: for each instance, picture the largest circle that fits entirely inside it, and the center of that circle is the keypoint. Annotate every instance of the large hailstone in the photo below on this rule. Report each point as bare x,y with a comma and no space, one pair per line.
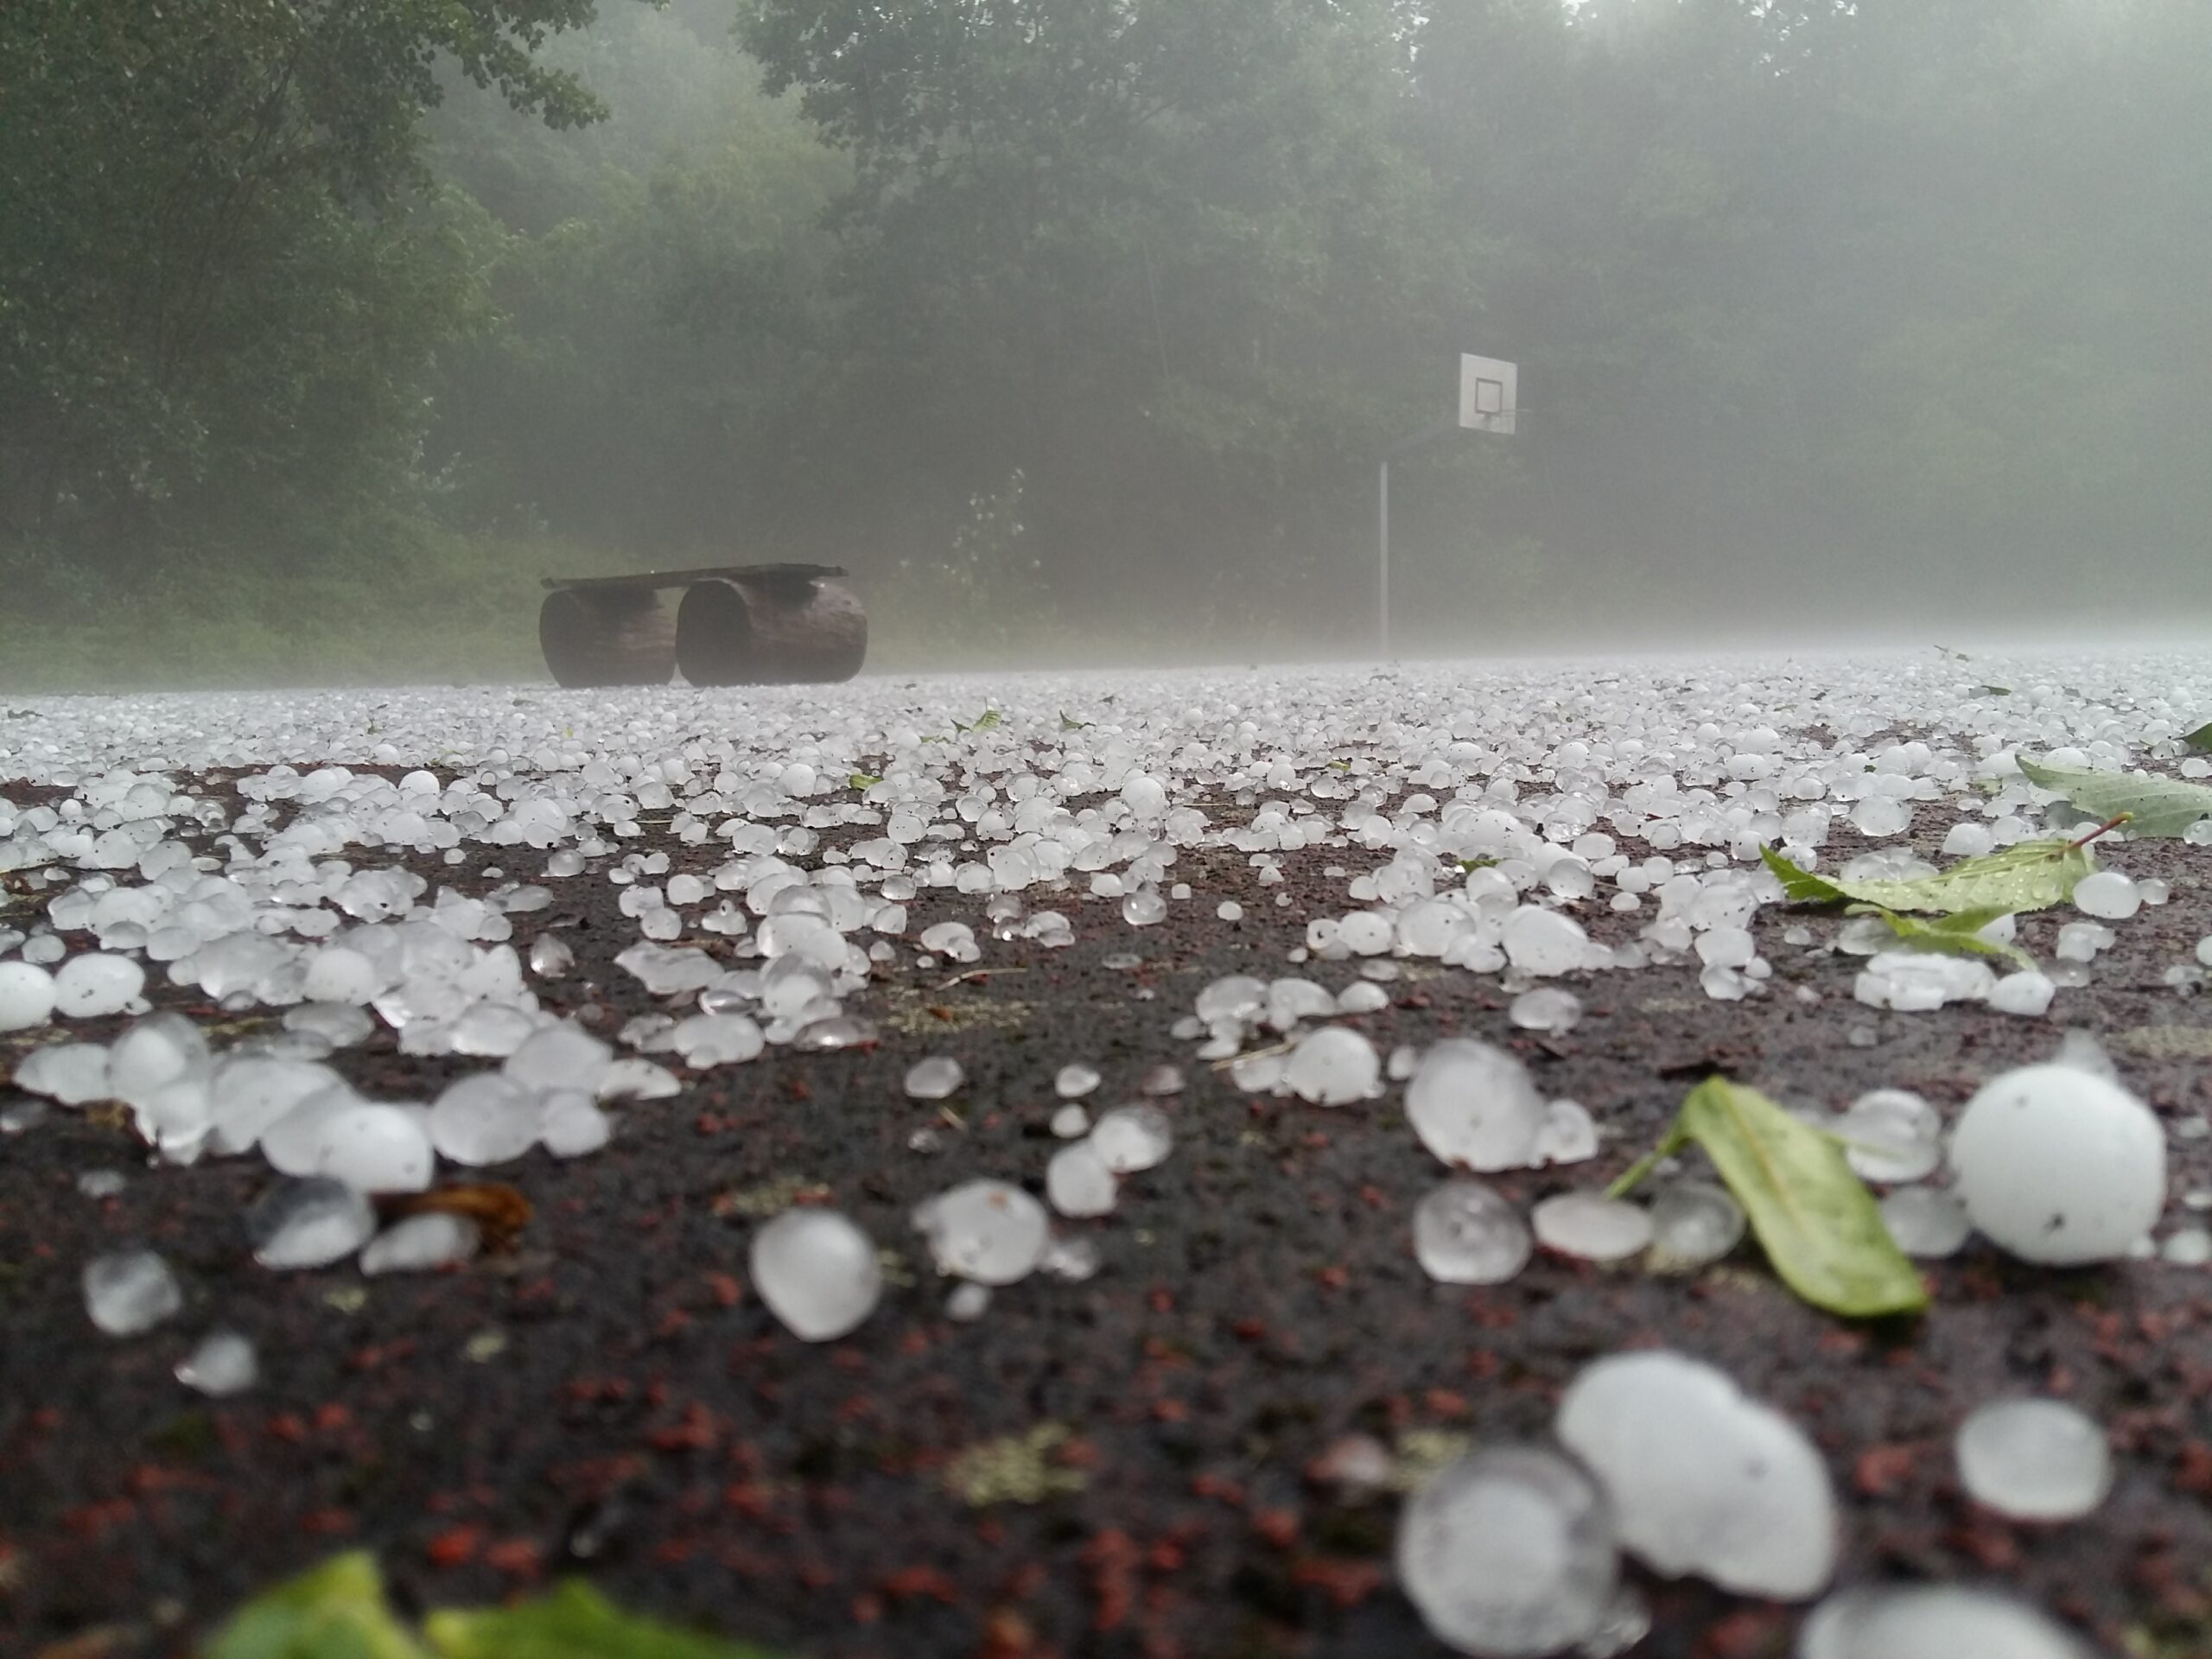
986,1230
817,1271
1509,1553
1931,1621
2060,1165
2033,1460
1703,1480
1474,1106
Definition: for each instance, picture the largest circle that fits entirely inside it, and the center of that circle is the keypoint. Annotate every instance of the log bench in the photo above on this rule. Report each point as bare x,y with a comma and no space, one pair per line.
735,625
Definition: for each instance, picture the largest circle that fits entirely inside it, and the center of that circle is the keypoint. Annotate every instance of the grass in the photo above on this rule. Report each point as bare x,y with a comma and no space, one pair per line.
406,604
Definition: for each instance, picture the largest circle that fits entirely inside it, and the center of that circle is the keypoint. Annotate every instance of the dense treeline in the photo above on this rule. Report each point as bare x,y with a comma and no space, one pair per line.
1040,310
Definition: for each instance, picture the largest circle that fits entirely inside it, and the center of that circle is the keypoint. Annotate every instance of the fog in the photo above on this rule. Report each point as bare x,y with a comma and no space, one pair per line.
1074,329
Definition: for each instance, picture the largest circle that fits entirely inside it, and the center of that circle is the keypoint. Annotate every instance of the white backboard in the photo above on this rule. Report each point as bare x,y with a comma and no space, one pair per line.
1489,393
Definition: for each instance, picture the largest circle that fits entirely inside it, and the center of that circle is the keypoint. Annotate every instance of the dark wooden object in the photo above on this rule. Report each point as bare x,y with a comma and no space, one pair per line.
606,636
736,625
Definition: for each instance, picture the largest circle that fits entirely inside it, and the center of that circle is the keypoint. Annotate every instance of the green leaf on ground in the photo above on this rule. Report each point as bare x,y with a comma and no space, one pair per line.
1813,1216
1958,934
2156,807
987,721
336,1611
1067,725
574,1622
863,780
2201,739
2030,875
1992,691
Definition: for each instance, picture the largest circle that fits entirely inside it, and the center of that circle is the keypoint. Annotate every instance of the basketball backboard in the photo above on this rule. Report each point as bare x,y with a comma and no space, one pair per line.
1489,393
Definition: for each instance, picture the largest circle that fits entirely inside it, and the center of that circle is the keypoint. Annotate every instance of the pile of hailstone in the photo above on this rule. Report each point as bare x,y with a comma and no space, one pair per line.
1513,1551
771,847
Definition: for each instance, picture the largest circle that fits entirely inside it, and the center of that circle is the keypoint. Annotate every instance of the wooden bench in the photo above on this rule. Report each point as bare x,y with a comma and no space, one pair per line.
736,625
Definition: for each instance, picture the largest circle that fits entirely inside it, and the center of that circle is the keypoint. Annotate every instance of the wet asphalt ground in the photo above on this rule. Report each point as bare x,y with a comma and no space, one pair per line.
1140,1464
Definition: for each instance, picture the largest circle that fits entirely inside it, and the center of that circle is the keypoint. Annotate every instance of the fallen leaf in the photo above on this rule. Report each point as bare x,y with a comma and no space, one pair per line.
1813,1216
499,1211
2156,808
1960,934
574,1622
2032,875
336,1609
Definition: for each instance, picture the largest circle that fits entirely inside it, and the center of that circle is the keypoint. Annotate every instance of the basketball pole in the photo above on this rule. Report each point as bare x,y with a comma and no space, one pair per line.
1382,560
1421,439
1489,402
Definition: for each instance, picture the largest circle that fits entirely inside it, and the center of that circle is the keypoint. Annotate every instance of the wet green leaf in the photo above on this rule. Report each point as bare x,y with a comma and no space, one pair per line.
863,780
1813,1216
1960,934
1067,725
2201,739
2156,807
2032,875
987,721
336,1611
574,1622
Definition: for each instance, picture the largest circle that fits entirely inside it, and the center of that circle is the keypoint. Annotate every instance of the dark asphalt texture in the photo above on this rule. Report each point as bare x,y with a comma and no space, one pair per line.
608,1397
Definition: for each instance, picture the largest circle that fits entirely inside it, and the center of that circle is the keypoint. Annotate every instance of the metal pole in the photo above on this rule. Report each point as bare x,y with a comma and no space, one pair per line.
1383,562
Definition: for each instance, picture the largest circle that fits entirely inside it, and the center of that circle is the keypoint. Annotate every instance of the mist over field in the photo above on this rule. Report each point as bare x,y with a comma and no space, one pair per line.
1075,329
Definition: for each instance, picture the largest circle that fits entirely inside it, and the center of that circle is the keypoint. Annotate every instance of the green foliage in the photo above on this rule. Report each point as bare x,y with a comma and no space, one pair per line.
2030,875
393,600
338,1611
2160,808
1076,318
222,280
574,1622
2201,739
1813,1216
1958,935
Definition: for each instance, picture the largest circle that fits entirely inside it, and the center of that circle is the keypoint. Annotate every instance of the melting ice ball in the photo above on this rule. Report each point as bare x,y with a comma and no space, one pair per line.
1332,1067
1890,1134
96,983
986,1230
222,1364
1467,1233
1931,1621
2034,1459
934,1078
1693,1224
1079,1183
129,1291
26,996
1592,1226
1474,1106
1132,1138
1926,1223
2058,1165
309,1223
1509,1553
817,1271
1702,1480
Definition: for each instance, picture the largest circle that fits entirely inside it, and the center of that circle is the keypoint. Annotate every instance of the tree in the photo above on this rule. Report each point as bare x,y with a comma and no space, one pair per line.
1162,259
222,276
